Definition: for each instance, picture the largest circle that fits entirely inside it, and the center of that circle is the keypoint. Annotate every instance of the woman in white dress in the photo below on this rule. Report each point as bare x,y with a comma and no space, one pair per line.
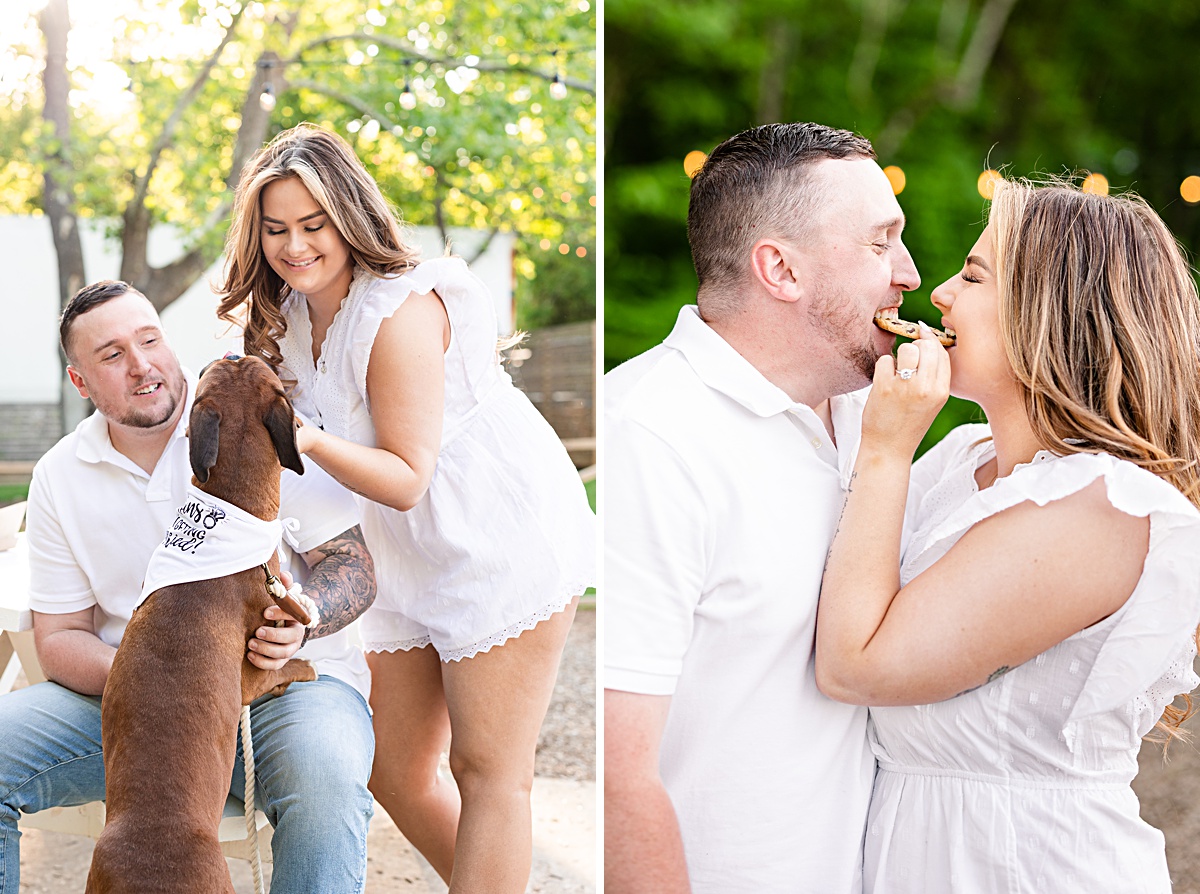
1037,614
474,514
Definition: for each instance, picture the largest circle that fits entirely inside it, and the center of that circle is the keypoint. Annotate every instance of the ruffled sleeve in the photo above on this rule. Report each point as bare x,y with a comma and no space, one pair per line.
381,297
956,447
1158,621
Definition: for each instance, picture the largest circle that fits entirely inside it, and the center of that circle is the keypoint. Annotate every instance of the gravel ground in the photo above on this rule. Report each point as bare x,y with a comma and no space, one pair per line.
564,807
1170,796
567,747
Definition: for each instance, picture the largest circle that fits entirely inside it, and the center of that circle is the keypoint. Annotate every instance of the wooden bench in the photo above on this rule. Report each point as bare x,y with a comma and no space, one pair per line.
17,653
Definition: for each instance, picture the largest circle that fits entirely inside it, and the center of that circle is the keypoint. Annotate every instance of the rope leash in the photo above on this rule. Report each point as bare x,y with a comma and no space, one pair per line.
248,800
277,592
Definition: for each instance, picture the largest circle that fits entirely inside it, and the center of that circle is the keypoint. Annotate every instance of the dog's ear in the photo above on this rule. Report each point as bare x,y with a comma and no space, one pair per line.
280,421
204,429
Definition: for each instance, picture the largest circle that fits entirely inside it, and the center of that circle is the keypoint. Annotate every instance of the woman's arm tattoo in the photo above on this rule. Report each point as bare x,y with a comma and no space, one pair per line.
341,581
994,675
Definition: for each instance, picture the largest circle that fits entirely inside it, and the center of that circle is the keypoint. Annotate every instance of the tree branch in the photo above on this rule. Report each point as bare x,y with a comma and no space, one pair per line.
866,52
141,184
416,55
773,74
439,213
135,232
979,53
162,285
483,246
349,99
961,90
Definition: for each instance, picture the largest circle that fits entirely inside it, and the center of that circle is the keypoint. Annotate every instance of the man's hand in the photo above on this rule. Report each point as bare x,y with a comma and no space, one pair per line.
272,646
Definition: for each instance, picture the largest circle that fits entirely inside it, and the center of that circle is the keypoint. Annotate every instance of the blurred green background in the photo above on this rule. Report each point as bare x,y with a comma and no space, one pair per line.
945,89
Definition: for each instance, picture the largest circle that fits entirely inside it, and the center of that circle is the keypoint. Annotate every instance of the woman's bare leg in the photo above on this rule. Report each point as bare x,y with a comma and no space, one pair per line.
497,701
412,728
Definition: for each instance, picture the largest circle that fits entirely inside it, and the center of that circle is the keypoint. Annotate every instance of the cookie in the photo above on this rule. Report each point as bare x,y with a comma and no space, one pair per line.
910,330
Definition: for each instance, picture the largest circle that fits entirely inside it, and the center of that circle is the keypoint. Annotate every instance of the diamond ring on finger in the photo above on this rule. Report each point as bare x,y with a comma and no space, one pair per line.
906,374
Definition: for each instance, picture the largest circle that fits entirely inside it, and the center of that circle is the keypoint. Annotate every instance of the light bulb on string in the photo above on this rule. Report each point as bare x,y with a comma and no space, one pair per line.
558,90
408,99
266,100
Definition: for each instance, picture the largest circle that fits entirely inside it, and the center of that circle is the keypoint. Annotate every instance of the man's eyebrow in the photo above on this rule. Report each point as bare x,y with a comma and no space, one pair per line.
888,224
115,341
317,213
978,262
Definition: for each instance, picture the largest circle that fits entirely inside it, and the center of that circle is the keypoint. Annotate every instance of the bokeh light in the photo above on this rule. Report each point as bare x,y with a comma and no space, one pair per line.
1096,184
1190,189
986,184
896,178
693,162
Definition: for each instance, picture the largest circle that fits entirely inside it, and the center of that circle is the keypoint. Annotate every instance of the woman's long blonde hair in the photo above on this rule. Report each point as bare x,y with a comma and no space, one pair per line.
1101,324
339,183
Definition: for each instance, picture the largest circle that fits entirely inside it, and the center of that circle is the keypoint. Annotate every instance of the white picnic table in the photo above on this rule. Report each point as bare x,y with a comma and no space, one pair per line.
16,621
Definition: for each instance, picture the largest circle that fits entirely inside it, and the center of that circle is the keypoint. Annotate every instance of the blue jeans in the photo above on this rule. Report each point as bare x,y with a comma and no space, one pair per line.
313,748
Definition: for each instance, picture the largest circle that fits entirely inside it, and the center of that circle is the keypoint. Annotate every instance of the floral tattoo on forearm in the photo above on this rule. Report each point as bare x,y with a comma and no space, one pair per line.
341,581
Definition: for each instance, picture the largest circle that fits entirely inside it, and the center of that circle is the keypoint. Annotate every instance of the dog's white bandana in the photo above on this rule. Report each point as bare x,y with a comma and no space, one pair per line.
210,538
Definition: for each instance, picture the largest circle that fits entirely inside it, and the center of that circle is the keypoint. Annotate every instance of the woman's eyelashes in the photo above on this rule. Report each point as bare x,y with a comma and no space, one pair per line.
271,232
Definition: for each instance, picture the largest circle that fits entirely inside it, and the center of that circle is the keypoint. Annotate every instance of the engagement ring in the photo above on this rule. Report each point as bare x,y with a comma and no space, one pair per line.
906,374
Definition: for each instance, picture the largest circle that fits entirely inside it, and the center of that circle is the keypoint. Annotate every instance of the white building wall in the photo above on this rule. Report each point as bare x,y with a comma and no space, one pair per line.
29,370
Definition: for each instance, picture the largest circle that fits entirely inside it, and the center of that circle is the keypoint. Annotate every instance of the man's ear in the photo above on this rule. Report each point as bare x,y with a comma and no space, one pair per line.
774,265
77,381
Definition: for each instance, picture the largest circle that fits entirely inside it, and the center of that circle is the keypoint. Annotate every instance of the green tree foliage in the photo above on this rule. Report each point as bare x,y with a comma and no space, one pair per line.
944,89
478,139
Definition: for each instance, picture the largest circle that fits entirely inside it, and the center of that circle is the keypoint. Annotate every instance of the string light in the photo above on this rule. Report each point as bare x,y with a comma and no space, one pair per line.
558,90
408,99
693,162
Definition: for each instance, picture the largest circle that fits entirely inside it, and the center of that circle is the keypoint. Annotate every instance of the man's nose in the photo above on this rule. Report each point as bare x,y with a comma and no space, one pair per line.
905,273
139,362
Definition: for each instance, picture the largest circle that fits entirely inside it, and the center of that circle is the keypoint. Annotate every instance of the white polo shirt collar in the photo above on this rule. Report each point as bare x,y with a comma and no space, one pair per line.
722,368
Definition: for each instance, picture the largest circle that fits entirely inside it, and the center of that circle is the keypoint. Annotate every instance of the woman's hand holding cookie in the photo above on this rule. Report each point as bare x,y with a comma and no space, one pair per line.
906,395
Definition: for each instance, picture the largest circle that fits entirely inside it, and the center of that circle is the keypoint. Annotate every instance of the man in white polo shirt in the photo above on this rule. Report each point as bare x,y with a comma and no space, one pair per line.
727,451
100,502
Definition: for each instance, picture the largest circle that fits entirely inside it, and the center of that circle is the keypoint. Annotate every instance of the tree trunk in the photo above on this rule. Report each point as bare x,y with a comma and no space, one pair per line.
57,193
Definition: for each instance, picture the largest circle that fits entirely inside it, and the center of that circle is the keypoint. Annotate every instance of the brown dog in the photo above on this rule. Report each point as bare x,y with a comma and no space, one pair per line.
180,677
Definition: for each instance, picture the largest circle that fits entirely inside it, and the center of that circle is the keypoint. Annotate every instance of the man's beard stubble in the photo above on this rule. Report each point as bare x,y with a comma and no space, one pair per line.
133,418
838,322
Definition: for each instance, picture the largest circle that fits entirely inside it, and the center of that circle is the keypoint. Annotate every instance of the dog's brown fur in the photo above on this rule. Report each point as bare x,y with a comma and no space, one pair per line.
180,677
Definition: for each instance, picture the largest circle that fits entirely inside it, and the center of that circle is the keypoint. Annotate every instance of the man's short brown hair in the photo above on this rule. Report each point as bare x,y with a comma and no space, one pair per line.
84,300
755,184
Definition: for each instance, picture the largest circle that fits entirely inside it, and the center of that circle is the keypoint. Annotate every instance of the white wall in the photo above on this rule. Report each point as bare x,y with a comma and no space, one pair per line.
29,371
